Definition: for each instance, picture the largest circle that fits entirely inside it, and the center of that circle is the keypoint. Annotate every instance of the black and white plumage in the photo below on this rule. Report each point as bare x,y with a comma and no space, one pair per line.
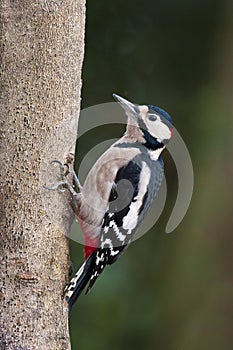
119,190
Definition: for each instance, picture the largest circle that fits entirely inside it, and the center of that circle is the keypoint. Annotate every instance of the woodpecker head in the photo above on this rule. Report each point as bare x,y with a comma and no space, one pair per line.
154,123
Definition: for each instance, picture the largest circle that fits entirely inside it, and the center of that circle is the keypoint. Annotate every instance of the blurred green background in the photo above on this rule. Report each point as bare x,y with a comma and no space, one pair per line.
168,291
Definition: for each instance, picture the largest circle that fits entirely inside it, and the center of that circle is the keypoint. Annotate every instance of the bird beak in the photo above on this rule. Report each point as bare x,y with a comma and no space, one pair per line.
129,107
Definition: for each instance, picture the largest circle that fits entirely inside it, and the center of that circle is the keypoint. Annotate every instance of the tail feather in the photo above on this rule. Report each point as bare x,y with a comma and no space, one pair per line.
79,281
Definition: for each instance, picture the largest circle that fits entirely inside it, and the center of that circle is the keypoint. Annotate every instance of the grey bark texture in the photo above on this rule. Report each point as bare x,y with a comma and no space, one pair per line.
41,55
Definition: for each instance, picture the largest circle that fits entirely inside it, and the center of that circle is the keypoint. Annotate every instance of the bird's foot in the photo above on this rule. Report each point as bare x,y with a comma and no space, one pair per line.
63,184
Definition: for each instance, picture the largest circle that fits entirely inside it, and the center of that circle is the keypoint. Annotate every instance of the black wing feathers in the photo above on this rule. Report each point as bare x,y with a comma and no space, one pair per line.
125,190
113,238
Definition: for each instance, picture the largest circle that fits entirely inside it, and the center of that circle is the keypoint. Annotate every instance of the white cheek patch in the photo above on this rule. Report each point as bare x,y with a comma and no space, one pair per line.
158,129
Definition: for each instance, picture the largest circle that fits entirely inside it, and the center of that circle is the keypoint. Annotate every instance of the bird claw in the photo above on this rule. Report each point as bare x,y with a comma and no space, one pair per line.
62,185
62,168
57,186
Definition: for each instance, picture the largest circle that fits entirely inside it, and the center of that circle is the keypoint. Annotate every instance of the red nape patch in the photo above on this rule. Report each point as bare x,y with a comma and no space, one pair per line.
90,246
172,131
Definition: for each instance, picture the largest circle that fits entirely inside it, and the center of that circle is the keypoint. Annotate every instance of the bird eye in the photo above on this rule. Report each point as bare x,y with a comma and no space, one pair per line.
152,117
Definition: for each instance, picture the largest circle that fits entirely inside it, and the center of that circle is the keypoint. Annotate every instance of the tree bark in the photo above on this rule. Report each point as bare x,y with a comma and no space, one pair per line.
41,53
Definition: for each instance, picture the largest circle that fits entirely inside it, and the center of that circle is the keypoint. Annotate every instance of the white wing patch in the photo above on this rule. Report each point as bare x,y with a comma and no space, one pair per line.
131,219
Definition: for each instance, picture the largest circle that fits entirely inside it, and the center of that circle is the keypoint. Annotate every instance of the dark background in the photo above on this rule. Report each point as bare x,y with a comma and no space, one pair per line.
168,291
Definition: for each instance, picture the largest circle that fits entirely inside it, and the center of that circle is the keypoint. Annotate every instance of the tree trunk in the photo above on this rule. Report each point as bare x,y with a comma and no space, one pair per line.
42,44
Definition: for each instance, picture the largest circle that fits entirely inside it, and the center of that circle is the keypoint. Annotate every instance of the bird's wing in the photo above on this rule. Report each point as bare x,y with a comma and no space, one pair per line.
98,187
120,221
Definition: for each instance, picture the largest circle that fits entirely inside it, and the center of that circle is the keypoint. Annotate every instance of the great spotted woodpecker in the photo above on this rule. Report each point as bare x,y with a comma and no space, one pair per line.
119,190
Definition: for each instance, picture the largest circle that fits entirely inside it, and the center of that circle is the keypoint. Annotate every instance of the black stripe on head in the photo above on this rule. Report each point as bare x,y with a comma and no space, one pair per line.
150,142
